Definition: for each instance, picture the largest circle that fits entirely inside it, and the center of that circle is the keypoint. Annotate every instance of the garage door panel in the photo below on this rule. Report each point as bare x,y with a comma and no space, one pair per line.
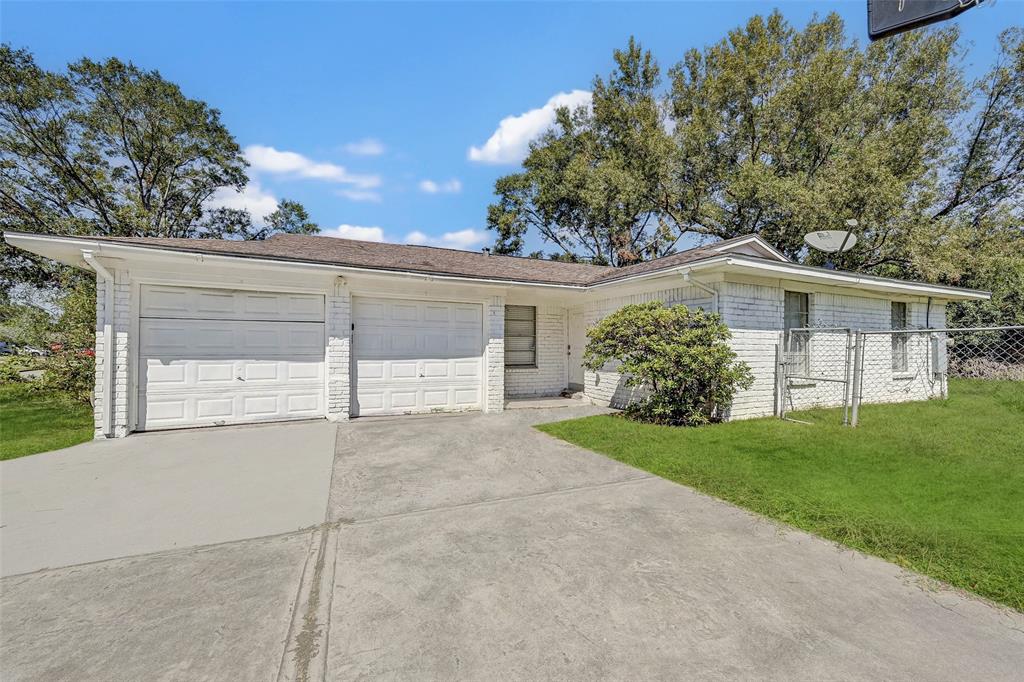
419,314
466,397
160,411
214,408
208,338
209,372
179,375
229,357
385,343
416,356
466,370
437,369
401,369
468,315
225,304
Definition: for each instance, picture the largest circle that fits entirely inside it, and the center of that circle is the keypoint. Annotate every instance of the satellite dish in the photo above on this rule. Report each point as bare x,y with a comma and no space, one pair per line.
831,241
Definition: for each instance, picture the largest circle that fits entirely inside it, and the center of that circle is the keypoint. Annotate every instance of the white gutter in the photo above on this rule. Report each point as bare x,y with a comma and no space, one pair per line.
703,287
108,339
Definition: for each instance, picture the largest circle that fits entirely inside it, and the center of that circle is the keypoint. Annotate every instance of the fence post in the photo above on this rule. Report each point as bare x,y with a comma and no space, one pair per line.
780,378
858,371
847,387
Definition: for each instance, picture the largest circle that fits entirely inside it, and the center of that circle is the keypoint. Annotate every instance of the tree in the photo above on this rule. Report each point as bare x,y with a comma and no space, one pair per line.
779,131
232,223
589,184
108,148
782,132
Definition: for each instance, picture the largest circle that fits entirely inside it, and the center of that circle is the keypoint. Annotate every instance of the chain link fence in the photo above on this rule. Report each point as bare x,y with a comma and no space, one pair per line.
815,369
838,367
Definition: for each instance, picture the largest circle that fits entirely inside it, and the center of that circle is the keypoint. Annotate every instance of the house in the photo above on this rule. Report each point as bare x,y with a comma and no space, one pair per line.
209,332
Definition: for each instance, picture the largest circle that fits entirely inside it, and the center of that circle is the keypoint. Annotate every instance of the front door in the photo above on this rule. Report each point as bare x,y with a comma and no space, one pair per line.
577,342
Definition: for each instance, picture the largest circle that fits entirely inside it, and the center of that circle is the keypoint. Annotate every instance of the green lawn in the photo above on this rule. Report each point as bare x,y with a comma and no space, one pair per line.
934,486
32,422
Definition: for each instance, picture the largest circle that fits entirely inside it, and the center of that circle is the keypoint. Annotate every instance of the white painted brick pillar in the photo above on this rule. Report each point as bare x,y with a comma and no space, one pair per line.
98,406
339,351
495,355
122,324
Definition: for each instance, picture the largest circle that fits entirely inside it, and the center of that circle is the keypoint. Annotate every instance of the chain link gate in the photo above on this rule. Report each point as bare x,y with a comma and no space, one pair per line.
815,369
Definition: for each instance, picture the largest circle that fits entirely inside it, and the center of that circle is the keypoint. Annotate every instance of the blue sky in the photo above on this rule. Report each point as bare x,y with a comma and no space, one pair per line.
386,119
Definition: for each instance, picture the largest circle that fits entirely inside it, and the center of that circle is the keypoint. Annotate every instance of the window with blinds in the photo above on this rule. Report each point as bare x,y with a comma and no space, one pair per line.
520,336
898,320
796,315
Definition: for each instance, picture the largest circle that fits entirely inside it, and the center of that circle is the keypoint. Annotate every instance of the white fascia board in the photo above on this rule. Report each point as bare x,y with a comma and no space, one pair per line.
807,273
68,250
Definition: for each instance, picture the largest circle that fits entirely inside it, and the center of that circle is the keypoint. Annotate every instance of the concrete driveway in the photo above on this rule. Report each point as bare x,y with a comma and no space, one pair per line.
475,547
158,491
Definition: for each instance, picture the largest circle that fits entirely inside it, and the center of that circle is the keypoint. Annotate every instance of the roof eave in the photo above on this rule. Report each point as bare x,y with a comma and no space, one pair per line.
849,279
68,250
50,247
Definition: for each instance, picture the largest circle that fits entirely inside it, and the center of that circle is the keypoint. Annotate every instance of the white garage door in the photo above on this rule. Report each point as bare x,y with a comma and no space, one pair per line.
416,356
212,356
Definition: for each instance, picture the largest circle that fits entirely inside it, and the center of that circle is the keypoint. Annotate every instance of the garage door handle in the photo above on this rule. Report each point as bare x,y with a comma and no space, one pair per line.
422,376
240,378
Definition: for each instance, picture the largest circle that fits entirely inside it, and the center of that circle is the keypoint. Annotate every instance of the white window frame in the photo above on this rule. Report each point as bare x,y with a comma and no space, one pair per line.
517,338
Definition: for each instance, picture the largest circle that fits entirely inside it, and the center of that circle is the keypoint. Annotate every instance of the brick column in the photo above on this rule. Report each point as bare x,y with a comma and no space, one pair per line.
339,347
495,355
122,317
99,407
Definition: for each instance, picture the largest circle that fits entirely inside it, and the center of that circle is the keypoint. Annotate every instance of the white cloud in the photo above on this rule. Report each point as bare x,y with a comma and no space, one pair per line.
360,232
510,142
452,186
359,195
460,239
270,160
253,198
365,147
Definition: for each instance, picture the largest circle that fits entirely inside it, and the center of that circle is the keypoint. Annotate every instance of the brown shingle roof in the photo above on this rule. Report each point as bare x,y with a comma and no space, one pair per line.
672,260
421,259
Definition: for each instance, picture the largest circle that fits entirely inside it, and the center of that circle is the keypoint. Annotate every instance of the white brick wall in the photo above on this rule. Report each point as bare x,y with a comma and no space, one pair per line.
548,378
757,349
495,400
339,345
754,313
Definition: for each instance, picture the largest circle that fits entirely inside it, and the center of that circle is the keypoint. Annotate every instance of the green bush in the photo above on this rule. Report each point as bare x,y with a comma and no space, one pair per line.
678,356
70,373
12,365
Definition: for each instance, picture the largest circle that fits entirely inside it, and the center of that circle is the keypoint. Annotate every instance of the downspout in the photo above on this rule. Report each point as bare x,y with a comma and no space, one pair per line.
705,288
108,339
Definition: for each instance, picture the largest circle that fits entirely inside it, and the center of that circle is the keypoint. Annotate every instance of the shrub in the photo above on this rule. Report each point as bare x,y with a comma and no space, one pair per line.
71,373
11,367
678,356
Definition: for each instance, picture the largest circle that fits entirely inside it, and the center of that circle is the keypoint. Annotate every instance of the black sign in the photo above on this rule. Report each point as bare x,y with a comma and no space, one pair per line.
886,17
